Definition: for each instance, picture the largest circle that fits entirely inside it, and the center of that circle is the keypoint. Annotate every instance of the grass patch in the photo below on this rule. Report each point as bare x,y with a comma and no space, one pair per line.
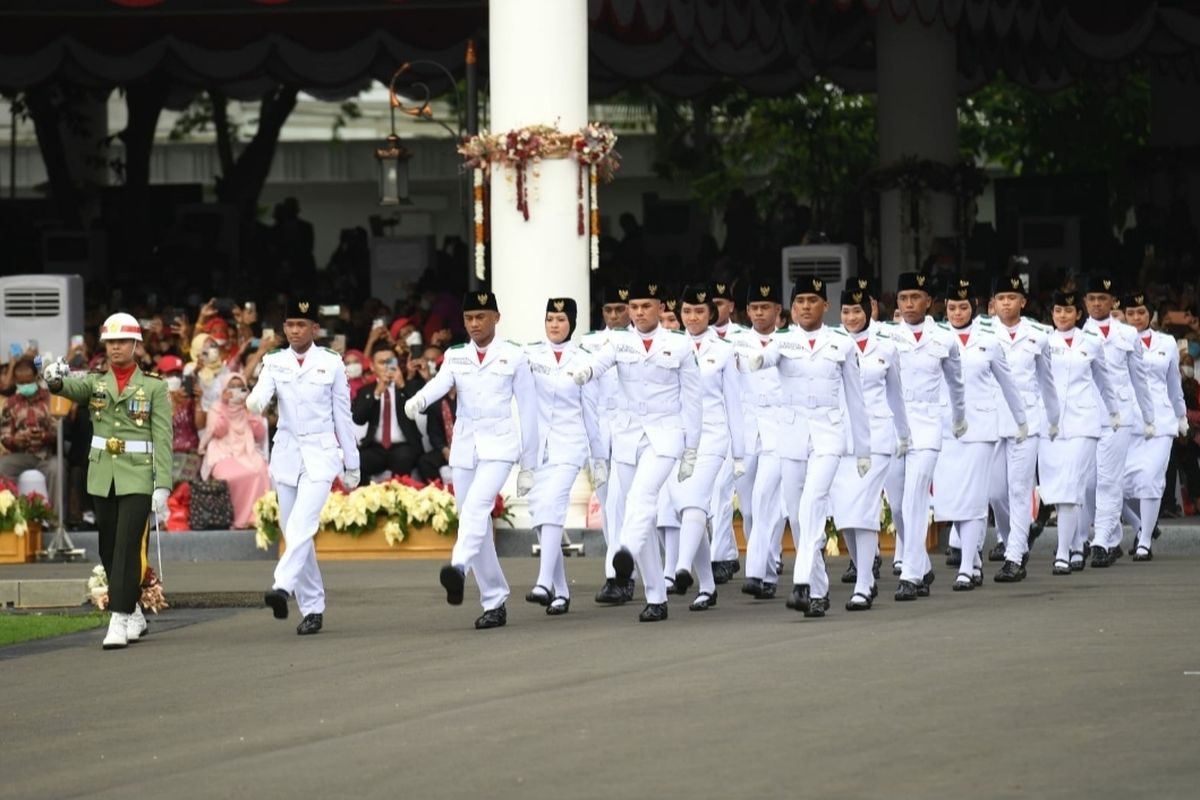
16,628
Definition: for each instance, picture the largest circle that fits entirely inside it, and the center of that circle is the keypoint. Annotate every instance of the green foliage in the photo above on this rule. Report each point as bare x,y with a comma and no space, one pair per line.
16,628
199,117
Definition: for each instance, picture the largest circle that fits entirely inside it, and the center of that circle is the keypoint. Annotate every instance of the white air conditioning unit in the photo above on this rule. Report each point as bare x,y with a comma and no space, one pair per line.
47,309
833,263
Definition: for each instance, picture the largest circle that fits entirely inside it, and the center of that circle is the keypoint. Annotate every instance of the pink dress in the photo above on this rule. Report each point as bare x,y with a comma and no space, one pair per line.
232,453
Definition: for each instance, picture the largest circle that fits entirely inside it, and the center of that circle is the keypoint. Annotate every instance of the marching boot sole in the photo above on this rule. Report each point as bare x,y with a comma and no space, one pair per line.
452,581
623,565
277,603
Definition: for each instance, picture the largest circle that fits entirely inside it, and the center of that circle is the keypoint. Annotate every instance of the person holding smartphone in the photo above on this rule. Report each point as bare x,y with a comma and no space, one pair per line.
393,441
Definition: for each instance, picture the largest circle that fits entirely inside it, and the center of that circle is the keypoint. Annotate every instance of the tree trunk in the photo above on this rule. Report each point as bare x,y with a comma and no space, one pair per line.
242,185
220,112
43,103
145,102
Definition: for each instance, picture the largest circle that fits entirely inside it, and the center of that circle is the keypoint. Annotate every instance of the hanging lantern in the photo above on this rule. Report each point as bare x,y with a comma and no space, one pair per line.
393,160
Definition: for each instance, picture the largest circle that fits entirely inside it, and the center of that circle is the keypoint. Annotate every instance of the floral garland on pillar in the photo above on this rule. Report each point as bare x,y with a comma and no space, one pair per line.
521,150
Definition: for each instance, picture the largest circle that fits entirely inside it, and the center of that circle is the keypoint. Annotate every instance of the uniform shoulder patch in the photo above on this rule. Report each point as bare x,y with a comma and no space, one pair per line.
513,342
890,322
273,352
840,332
97,371
154,375
677,333
332,352
943,325
457,346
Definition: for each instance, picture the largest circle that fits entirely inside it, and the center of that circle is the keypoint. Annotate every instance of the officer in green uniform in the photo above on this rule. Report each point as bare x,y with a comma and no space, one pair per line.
129,466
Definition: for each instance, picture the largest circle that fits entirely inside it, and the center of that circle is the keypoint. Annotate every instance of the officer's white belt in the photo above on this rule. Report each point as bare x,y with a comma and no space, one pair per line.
812,400
611,403
642,408
760,399
915,396
316,430
100,443
503,412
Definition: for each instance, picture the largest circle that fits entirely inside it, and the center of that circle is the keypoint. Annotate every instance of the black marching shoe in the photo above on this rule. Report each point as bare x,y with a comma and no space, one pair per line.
1078,561
734,567
628,590
671,589
1035,530
558,606
875,565
1011,572
1156,533
906,591
683,581
653,612
610,594
926,582
720,572
310,624
859,602
1115,554
704,601
800,598
277,601
817,606
768,591
963,583
851,574
492,618
1142,553
897,568
997,552
1061,567
953,556
453,581
623,566
539,594
752,586
1100,558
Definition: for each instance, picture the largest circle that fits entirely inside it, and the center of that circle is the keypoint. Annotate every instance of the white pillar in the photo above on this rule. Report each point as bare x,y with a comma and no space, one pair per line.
917,79
538,57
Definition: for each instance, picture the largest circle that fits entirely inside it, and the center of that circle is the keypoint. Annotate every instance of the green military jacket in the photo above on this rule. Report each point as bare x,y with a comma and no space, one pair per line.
141,413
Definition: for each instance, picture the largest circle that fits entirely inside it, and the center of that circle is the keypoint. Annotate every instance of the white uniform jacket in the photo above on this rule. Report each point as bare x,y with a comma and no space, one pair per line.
926,364
724,434
987,382
660,394
818,373
314,415
1085,394
1027,353
1166,384
608,388
1126,368
484,429
568,428
761,392
883,392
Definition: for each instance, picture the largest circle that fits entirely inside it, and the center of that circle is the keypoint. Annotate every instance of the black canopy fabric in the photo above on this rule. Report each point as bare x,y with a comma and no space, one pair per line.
682,47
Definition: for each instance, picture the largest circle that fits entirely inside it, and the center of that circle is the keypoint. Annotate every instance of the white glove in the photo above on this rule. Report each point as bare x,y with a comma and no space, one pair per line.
739,468
902,447
351,478
1114,420
413,407
1148,431
55,371
864,466
1053,432
581,376
524,482
253,406
1183,426
960,427
599,472
158,504
687,464
755,362
1022,431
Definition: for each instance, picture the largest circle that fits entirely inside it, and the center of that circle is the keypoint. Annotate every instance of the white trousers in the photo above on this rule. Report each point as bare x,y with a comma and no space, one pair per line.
812,508
1014,468
612,506
1110,485
474,496
297,572
893,487
724,544
641,485
918,479
548,503
764,537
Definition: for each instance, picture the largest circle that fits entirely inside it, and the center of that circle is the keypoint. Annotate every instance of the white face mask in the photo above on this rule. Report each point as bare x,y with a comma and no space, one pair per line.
212,355
413,339
432,367
174,383
354,370
1187,371
237,396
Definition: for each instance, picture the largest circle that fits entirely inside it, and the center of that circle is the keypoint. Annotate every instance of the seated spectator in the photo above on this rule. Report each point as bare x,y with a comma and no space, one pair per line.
207,368
231,446
392,441
187,420
27,430
353,359
434,464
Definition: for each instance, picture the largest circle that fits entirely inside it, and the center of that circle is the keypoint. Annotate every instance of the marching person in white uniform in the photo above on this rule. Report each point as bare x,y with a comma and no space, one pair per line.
929,361
1146,464
722,437
960,478
1025,345
616,318
487,374
724,545
1068,463
314,443
856,501
656,430
568,433
759,489
1127,373
822,396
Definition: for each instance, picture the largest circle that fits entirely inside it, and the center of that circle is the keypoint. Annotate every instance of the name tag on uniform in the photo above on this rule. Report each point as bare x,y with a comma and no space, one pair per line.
625,348
540,369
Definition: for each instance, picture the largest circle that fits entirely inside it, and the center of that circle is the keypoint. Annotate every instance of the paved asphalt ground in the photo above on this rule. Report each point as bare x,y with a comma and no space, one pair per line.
1083,686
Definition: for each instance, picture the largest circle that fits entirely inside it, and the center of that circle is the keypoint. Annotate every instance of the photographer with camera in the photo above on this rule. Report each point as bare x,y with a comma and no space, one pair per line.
392,441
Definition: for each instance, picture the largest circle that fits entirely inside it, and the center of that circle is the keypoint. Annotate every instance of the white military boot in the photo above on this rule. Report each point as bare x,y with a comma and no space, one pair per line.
118,626
136,626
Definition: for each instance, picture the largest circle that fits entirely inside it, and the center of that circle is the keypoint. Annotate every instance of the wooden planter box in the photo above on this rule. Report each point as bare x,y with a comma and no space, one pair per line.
887,542
20,549
422,542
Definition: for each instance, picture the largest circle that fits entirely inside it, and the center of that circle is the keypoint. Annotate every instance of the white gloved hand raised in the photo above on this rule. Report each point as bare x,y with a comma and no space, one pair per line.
158,504
687,464
960,427
1053,432
1148,431
739,467
902,447
1183,426
1022,431
599,472
413,407
1114,420
351,478
755,362
524,482
55,371
253,406
581,375
864,466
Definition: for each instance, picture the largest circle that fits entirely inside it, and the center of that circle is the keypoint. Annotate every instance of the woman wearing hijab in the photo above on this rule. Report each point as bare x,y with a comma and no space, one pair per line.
355,361
207,369
232,449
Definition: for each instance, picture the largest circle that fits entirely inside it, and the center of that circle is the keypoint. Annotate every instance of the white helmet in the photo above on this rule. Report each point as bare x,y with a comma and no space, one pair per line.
120,326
